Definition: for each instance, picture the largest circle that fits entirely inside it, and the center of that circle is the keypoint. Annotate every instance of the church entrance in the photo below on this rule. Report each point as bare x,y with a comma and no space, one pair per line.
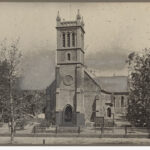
68,115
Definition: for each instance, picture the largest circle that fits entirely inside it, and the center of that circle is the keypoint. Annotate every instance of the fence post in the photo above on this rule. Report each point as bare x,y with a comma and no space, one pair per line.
148,132
43,141
56,130
125,131
14,130
102,131
34,130
113,130
79,129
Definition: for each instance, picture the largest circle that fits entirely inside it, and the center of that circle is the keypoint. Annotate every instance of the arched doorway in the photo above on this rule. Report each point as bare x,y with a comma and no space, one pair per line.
68,114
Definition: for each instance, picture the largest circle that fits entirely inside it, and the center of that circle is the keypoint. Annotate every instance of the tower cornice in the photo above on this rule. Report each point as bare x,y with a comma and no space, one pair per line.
65,49
75,26
69,63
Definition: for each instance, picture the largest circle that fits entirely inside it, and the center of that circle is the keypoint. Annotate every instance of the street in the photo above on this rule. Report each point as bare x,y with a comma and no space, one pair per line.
74,141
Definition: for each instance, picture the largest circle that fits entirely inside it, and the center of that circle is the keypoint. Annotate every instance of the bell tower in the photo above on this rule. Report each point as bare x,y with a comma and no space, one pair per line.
70,40
70,71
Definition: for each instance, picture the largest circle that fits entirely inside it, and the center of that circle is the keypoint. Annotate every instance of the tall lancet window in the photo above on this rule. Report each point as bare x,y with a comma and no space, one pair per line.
68,39
68,56
108,112
73,39
122,101
64,41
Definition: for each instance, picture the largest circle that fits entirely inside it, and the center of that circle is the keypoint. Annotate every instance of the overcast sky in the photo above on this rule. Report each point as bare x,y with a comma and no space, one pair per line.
113,30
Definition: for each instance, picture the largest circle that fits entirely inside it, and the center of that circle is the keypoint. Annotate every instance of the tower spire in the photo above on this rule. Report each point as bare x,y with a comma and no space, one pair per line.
78,17
58,17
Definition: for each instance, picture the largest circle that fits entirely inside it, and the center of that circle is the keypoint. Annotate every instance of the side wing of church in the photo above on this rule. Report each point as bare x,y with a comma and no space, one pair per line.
75,98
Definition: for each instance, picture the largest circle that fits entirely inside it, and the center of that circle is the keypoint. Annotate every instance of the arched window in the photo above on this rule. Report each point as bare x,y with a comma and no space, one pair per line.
68,39
122,101
73,39
108,112
64,41
114,101
68,113
69,56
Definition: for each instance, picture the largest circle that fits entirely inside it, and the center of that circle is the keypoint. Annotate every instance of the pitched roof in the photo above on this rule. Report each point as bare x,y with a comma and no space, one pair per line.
114,83
92,78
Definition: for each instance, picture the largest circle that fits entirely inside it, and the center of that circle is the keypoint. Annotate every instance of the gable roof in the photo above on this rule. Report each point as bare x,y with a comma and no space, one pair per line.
92,78
114,83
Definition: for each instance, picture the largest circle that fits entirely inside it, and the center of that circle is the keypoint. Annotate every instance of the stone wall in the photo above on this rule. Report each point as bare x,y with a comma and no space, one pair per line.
65,92
91,90
121,107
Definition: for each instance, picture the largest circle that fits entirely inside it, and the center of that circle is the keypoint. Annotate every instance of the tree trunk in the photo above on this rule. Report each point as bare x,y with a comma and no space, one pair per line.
12,112
12,118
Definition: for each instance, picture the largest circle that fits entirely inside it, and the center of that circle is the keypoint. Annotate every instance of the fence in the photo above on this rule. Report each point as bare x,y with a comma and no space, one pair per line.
133,132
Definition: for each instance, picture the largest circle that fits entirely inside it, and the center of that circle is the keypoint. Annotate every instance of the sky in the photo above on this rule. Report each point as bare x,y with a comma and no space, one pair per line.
113,30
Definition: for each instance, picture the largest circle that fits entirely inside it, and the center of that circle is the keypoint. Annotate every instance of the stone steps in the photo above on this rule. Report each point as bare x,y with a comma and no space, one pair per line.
68,129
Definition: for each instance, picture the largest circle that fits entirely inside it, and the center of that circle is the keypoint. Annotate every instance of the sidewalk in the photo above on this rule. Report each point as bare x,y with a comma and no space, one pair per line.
74,141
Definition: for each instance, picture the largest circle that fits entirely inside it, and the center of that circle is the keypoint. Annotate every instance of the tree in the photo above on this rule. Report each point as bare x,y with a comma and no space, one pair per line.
139,84
4,90
10,56
34,101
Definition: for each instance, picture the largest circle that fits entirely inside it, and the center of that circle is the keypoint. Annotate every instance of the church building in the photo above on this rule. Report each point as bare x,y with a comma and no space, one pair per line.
75,97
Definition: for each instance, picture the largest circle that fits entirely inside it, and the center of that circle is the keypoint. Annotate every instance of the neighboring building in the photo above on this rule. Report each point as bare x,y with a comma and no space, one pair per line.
75,97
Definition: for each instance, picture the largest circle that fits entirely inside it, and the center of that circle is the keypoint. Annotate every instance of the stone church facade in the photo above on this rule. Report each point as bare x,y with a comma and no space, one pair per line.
75,98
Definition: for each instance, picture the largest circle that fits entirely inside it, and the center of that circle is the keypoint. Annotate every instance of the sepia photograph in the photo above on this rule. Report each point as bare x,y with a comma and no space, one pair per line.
75,73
